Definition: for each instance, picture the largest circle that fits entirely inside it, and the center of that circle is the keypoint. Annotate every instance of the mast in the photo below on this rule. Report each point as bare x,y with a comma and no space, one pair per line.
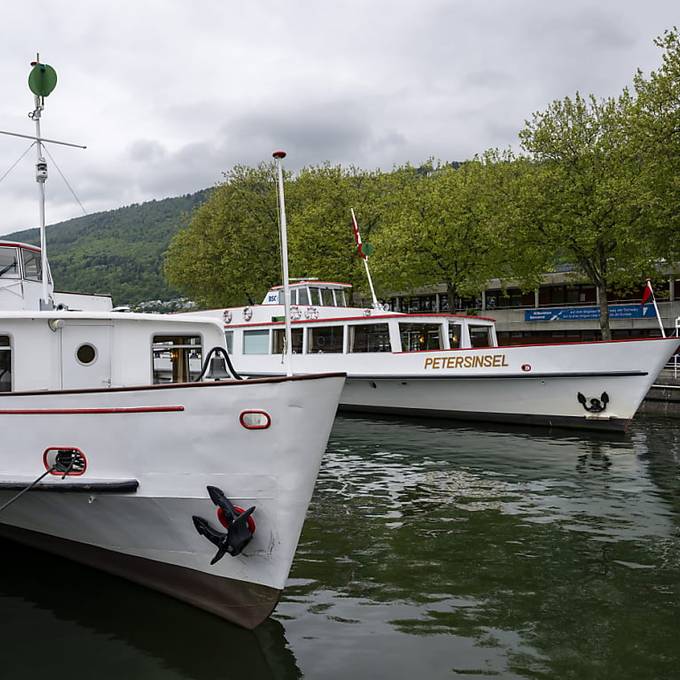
41,178
41,81
279,156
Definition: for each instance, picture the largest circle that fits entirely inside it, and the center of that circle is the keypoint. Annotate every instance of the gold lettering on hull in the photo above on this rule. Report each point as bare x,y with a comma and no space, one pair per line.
469,361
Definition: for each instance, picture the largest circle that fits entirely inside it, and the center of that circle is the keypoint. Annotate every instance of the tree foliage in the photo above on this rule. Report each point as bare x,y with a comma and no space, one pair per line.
581,192
229,253
441,225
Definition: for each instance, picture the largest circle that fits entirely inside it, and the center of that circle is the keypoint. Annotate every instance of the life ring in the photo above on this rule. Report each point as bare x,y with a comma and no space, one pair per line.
222,518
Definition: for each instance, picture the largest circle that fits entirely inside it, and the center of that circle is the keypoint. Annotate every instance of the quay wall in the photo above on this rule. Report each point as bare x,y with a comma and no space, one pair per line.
664,396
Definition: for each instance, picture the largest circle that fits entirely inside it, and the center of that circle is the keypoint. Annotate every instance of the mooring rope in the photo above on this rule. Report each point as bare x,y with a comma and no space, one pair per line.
37,481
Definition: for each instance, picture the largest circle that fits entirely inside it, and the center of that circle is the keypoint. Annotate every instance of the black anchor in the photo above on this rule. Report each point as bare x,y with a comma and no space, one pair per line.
238,533
596,405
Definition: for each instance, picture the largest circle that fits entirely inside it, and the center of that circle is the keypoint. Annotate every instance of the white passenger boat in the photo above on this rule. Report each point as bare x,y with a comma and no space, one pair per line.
187,479
443,365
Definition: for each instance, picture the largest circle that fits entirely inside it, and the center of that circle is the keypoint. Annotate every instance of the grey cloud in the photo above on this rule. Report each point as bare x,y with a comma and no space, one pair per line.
144,150
372,84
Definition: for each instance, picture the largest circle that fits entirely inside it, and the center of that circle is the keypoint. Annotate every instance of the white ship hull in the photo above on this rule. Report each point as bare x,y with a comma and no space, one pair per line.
172,441
525,384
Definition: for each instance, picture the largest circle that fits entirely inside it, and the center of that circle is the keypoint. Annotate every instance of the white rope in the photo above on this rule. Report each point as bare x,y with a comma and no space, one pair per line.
65,180
17,161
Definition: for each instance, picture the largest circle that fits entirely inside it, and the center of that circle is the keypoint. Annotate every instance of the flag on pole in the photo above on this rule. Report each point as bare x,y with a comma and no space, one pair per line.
357,236
646,295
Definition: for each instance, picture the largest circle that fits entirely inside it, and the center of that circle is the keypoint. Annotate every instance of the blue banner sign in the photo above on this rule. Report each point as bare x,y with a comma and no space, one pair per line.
589,313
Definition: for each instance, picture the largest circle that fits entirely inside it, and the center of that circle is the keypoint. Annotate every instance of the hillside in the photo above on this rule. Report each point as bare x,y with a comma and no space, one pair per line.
119,252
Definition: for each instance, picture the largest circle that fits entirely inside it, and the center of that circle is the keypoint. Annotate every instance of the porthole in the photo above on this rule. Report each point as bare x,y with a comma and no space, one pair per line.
86,354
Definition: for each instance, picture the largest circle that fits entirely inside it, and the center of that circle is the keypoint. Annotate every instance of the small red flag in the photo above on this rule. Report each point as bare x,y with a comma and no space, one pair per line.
357,237
648,292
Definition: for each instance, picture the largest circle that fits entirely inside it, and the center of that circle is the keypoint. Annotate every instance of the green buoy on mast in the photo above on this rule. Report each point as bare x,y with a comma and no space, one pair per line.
42,79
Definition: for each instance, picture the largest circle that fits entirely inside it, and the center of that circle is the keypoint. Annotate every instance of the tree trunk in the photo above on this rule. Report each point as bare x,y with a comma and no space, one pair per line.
452,296
604,310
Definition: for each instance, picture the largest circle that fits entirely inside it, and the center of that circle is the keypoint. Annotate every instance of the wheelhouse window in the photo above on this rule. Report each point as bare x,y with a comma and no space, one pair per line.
315,296
327,297
229,339
455,335
256,342
9,265
325,339
416,337
32,265
373,337
5,364
280,340
340,299
480,336
176,358
303,296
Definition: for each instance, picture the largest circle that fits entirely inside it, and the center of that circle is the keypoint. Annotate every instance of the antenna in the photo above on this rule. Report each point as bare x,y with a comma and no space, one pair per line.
41,80
279,156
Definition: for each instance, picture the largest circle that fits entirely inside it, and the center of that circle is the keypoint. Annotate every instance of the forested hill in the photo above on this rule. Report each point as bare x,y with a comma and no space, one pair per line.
119,252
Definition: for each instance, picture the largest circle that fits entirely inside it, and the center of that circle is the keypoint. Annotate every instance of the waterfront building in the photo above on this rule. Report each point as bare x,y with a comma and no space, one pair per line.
562,309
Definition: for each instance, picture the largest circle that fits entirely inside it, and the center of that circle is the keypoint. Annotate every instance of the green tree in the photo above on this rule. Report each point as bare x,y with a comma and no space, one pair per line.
321,238
439,226
581,196
655,131
229,253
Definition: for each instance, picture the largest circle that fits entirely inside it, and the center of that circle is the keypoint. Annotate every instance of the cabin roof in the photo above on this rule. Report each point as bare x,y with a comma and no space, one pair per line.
312,282
107,316
18,244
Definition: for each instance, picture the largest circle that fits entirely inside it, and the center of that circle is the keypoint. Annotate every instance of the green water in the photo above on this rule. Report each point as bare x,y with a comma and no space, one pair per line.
430,551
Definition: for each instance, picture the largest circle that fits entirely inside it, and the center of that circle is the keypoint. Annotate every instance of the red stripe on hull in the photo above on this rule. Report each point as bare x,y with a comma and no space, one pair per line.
85,411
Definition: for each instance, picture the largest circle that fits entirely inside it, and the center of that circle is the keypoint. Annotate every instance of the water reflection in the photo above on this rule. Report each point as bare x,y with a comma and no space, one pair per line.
62,620
525,554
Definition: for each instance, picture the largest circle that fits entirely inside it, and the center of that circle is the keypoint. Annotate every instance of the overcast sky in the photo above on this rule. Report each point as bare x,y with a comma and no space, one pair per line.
167,94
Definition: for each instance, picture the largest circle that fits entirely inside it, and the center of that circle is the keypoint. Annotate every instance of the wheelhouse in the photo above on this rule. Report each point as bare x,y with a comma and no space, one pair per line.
312,293
20,275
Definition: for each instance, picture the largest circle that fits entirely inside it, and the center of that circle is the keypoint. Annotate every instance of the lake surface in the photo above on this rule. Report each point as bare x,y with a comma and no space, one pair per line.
430,551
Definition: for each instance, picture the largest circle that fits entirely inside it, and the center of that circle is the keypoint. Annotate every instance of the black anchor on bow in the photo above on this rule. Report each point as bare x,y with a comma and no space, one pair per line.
594,405
238,533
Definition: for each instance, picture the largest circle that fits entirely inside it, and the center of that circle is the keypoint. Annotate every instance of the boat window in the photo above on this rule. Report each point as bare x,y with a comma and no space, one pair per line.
326,339
480,336
416,337
327,297
229,339
256,342
5,364
176,358
315,296
340,300
455,335
86,354
303,296
293,296
32,265
373,337
9,267
280,337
